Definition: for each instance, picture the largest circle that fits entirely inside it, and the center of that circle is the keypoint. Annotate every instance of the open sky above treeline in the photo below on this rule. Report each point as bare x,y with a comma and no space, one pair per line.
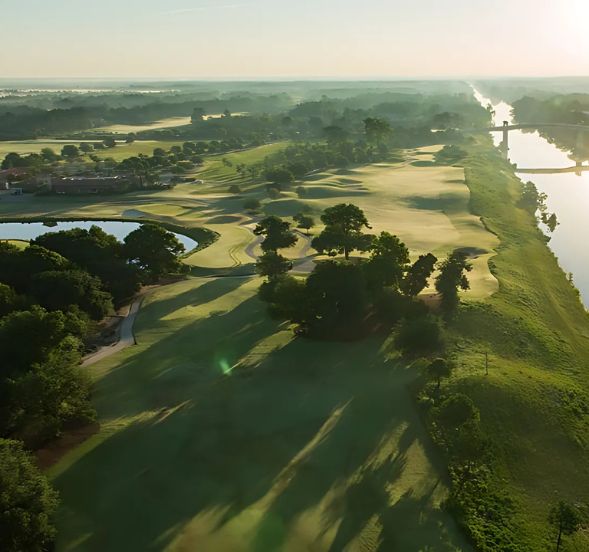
268,39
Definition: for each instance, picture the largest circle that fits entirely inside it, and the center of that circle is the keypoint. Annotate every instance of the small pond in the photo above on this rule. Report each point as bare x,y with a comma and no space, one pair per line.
120,229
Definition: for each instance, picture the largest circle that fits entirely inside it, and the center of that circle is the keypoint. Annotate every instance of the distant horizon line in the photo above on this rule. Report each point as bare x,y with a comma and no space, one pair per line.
209,79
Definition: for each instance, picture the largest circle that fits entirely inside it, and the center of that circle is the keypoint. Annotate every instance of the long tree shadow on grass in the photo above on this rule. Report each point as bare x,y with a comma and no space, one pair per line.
174,368
193,297
373,457
295,425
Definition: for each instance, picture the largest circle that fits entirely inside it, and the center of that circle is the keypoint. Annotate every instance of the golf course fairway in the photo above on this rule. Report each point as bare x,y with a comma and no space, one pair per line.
222,431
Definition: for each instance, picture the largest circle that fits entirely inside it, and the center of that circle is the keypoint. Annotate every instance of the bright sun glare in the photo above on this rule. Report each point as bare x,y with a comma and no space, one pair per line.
575,32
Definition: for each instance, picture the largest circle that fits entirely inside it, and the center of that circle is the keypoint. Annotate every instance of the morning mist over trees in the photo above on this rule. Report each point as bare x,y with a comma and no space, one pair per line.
286,276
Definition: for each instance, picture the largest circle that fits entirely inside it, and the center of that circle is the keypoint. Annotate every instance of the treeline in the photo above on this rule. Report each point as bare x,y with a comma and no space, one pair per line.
50,292
338,150
569,109
345,298
24,122
487,513
298,160
413,120
268,117
176,159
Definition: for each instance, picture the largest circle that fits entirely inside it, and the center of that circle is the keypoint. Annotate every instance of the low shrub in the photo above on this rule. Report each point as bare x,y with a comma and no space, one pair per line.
421,335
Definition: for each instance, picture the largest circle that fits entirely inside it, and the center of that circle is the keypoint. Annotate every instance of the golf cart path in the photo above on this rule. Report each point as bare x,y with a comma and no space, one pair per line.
126,336
303,264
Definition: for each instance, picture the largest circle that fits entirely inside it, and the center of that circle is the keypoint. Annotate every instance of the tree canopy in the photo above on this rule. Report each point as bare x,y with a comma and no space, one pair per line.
343,231
97,252
273,265
416,278
452,278
566,519
303,221
70,151
277,234
27,502
377,130
438,369
388,262
154,250
61,290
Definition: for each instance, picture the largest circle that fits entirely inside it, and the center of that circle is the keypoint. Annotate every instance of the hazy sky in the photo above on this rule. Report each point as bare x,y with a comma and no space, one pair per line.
293,38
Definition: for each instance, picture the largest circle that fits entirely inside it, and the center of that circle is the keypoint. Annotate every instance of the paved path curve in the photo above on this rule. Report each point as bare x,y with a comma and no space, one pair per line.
304,265
126,336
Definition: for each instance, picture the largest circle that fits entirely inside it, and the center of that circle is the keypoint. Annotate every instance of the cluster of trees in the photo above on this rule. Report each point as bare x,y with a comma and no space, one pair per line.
49,292
344,297
178,159
534,202
27,502
296,161
24,121
267,117
483,509
450,154
563,108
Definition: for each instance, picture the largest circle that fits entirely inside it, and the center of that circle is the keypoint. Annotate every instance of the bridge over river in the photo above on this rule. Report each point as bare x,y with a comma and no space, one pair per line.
507,127
534,126
577,169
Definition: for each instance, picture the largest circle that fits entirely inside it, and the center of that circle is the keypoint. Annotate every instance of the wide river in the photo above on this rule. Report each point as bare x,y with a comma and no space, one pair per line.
568,193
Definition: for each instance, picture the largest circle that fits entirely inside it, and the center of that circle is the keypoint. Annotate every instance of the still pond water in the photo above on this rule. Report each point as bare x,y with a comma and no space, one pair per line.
31,230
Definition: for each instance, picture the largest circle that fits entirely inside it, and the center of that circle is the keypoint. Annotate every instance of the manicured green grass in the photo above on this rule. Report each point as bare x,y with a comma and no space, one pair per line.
222,431
156,125
123,151
120,152
21,244
24,147
534,403
428,207
216,171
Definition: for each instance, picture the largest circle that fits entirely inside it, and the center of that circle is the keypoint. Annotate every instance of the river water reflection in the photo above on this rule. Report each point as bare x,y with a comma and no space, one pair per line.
568,193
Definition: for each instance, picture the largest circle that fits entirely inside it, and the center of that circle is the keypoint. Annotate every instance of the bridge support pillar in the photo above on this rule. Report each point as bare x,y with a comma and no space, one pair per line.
505,143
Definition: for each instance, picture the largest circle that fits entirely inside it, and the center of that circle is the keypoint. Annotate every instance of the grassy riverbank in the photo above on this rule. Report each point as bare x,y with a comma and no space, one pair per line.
534,402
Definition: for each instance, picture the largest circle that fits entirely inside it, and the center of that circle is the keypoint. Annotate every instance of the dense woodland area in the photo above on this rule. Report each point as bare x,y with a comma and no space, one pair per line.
267,116
52,293
324,133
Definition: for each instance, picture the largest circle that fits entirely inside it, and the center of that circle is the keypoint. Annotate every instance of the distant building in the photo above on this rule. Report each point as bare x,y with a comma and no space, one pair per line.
166,178
19,179
75,185
9,176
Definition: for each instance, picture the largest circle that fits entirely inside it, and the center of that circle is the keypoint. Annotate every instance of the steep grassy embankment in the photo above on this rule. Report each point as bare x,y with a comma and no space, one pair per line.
534,403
